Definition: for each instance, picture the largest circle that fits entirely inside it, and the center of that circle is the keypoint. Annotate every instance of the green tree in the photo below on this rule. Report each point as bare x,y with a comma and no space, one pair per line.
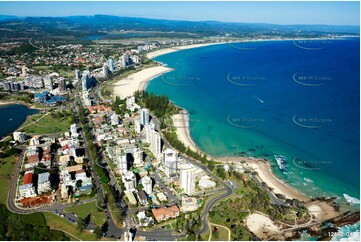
81,224
98,232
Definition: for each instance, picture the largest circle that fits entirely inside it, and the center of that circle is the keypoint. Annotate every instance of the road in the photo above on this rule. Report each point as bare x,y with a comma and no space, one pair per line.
210,203
113,231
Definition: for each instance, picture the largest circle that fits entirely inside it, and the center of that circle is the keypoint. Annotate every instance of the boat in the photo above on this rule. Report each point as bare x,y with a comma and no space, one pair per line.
281,162
10,119
260,100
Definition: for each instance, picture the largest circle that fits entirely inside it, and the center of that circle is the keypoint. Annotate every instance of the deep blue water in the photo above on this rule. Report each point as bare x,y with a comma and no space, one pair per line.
12,116
268,98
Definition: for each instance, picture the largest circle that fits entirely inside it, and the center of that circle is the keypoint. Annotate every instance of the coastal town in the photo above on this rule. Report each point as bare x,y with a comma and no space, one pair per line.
101,158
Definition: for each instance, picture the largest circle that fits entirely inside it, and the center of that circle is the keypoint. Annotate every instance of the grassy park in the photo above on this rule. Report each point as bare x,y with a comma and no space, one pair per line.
52,122
83,210
58,223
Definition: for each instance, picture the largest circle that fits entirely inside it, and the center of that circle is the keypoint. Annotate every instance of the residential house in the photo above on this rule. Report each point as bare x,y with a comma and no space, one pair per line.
164,213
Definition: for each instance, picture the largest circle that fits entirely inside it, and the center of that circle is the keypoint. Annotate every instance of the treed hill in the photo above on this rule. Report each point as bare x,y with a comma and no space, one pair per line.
81,26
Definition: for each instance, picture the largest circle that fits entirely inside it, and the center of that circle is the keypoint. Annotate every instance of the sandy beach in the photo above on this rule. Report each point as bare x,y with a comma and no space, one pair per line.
262,226
322,210
181,123
156,53
264,172
137,81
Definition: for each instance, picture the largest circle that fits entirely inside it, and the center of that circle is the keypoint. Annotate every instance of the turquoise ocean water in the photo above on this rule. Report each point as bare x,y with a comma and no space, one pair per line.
297,99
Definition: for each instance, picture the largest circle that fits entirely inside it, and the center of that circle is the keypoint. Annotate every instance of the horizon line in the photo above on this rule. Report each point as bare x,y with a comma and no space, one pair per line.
65,16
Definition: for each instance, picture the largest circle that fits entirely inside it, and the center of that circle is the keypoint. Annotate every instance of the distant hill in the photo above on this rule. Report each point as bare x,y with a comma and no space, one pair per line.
81,26
8,17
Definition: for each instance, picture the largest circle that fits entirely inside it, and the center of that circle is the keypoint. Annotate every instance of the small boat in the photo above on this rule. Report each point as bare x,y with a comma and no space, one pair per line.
281,162
260,100
10,119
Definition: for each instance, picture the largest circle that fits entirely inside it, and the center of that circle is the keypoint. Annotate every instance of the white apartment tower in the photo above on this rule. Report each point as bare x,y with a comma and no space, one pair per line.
147,184
137,126
129,181
122,162
138,157
156,144
144,116
169,161
187,178
149,129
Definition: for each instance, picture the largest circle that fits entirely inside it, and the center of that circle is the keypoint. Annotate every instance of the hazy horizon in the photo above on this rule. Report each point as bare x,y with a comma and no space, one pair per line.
282,13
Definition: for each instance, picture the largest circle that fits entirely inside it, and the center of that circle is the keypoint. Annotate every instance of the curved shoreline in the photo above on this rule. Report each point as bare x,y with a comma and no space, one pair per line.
137,81
262,166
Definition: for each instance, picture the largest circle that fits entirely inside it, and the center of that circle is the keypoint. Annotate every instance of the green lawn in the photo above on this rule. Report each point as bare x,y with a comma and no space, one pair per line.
49,124
6,165
56,222
221,235
4,184
83,210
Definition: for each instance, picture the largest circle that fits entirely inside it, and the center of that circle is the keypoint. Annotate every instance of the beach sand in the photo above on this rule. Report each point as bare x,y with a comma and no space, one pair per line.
322,210
262,226
156,53
263,169
180,121
264,172
137,81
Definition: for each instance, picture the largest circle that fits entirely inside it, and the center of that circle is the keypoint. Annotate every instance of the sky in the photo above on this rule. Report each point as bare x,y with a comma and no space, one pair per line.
332,13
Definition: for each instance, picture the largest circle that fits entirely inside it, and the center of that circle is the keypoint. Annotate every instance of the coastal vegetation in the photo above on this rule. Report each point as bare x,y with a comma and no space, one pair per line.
26,227
249,198
160,106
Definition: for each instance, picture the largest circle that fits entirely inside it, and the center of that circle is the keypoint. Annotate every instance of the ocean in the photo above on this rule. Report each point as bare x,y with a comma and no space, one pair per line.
297,99
12,116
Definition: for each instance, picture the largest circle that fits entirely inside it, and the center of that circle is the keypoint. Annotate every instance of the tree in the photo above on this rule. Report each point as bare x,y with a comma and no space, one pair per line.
78,183
98,232
87,219
221,172
81,224
104,227
211,165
